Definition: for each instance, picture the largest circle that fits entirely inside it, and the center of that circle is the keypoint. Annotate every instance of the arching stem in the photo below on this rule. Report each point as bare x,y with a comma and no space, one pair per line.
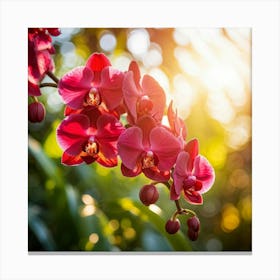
48,85
53,77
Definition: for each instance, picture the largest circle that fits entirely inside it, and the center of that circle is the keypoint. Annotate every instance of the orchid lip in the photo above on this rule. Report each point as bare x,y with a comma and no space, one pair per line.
144,105
190,181
93,98
148,160
91,147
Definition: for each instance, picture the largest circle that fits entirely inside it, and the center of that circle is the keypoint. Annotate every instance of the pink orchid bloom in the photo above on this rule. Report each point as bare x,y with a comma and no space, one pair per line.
147,98
177,125
193,175
89,138
149,149
92,84
40,62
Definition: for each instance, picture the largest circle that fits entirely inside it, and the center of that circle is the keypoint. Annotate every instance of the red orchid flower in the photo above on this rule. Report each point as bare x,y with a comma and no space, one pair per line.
40,62
89,138
147,98
177,124
149,149
92,84
193,175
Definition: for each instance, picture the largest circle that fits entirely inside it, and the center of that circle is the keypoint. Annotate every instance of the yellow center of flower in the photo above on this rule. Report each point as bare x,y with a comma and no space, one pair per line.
148,160
91,148
92,98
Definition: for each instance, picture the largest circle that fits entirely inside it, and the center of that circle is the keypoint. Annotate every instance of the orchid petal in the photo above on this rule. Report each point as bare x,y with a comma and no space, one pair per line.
72,130
155,92
74,86
193,197
107,162
89,159
33,89
107,150
130,146
108,128
77,147
155,174
130,94
129,172
204,172
180,171
111,87
133,66
192,148
96,62
71,160
146,123
173,194
166,147
42,42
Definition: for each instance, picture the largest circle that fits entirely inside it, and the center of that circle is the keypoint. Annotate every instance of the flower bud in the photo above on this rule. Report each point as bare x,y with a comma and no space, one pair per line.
148,194
193,235
36,112
193,223
172,226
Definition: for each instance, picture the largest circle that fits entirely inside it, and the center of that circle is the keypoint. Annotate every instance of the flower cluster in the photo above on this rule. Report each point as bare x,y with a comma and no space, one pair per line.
111,115
96,96
40,63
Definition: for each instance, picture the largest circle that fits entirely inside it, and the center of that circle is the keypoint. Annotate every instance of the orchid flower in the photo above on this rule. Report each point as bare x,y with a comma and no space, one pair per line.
85,139
193,175
92,84
145,98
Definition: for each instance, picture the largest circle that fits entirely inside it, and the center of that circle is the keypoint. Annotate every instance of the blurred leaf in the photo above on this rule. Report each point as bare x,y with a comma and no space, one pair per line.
72,200
152,241
47,165
40,230
51,147
178,241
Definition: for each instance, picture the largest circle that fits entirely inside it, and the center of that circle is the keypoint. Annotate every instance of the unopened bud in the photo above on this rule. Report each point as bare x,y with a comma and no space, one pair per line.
148,194
193,223
193,235
36,112
172,226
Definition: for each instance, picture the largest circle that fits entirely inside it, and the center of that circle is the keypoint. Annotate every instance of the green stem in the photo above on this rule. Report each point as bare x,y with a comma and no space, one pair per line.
53,77
48,85
178,206
34,98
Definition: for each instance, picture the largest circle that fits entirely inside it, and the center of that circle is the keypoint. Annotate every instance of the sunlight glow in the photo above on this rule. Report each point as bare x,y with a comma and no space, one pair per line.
239,132
128,205
246,208
154,208
153,57
94,238
87,199
108,41
220,108
184,96
129,233
88,210
230,218
219,69
138,41
122,61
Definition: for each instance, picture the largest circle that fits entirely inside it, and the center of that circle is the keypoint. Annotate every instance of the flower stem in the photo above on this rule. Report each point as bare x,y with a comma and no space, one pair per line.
48,85
53,77
34,98
178,206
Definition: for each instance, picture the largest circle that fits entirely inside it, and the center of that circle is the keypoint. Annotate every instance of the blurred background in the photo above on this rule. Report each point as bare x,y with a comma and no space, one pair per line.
207,72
